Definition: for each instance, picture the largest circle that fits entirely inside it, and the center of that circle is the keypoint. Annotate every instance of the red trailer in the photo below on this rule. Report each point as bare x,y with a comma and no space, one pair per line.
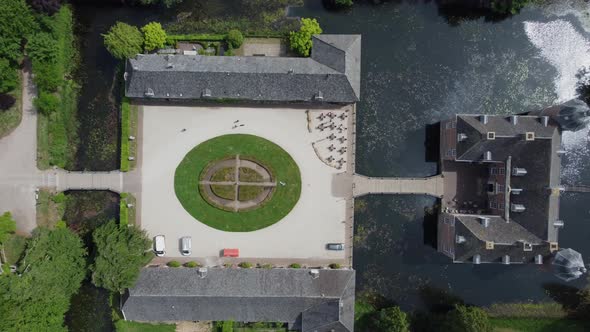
231,252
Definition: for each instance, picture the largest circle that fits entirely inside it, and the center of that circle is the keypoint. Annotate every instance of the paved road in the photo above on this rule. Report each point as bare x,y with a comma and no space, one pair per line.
19,176
18,171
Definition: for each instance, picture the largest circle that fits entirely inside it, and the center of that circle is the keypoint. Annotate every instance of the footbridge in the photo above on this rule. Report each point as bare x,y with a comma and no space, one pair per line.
365,185
61,180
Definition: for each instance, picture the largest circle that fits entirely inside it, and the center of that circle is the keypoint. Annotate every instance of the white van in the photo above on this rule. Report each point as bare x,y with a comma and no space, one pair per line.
185,245
159,245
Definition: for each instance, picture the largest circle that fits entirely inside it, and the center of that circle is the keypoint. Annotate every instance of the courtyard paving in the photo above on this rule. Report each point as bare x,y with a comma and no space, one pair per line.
319,217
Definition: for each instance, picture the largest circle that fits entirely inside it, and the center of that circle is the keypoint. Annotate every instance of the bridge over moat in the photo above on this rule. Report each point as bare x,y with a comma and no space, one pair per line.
364,185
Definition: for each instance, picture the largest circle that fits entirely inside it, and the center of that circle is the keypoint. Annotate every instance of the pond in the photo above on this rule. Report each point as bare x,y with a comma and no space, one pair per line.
417,70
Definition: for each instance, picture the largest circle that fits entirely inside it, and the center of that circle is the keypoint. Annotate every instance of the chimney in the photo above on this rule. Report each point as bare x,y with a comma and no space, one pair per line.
477,259
483,119
485,221
558,224
539,259
516,171
545,121
319,96
149,92
315,273
506,260
517,207
515,191
487,156
514,120
460,239
461,137
202,272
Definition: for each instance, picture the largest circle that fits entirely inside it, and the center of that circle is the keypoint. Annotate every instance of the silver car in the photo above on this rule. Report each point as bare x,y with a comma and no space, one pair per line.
185,245
335,246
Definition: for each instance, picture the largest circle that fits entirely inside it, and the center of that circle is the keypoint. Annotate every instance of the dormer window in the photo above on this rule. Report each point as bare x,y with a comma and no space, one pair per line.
530,136
491,135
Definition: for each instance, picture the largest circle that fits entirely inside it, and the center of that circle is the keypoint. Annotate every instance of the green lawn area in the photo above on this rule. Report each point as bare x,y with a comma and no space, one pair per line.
224,174
249,175
14,248
227,192
278,161
50,208
538,325
127,326
10,118
246,193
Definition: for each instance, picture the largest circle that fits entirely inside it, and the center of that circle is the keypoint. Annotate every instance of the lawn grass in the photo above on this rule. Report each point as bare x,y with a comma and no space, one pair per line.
224,174
127,214
249,175
246,193
538,325
128,326
50,208
278,161
11,118
125,128
227,192
14,248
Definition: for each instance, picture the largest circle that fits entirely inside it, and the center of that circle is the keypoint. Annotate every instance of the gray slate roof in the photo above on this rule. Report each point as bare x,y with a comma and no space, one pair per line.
248,295
332,72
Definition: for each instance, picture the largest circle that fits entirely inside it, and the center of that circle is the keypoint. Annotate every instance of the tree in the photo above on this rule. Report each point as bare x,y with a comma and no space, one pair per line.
123,41
392,320
121,252
6,101
300,41
7,226
8,76
167,3
154,36
47,76
234,38
46,6
344,3
16,23
468,319
43,48
46,103
50,273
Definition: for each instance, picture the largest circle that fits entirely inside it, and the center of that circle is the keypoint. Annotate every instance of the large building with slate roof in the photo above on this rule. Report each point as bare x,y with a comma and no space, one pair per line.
330,75
307,300
502,188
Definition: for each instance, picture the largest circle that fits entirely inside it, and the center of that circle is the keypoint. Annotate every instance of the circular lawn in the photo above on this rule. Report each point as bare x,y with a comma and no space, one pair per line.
283,168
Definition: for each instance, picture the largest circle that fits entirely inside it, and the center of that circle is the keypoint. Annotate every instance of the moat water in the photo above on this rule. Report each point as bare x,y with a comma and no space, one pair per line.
419,66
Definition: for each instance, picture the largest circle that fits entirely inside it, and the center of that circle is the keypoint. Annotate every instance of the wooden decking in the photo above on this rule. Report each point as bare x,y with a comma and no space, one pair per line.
364,185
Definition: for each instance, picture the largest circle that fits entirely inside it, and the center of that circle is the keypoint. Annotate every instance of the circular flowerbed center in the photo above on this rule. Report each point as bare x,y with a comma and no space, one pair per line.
238,183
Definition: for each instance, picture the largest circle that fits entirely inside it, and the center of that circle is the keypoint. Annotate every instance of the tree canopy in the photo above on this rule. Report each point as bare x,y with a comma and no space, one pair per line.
393,320
121,252
7,226
234,38
468,319
300,41
43,47
154,36
16,23
167,3
8,76
123,40
51,272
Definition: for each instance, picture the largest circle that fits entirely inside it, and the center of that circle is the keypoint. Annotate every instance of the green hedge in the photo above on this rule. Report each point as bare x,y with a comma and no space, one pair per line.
125,118
172,39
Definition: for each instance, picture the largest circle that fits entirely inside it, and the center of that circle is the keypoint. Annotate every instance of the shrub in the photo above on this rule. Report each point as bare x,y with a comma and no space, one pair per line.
154,36
245,265
468,319
174,264
192,264
8,76
234,38
60,224
344,3
43,47
267,266
6,101
47,77
46,103
300,41
123,40
392,320
334,266
295,266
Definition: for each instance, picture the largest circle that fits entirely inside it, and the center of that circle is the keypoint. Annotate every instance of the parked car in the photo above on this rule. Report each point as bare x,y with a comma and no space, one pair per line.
160,245
335,246
185,245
